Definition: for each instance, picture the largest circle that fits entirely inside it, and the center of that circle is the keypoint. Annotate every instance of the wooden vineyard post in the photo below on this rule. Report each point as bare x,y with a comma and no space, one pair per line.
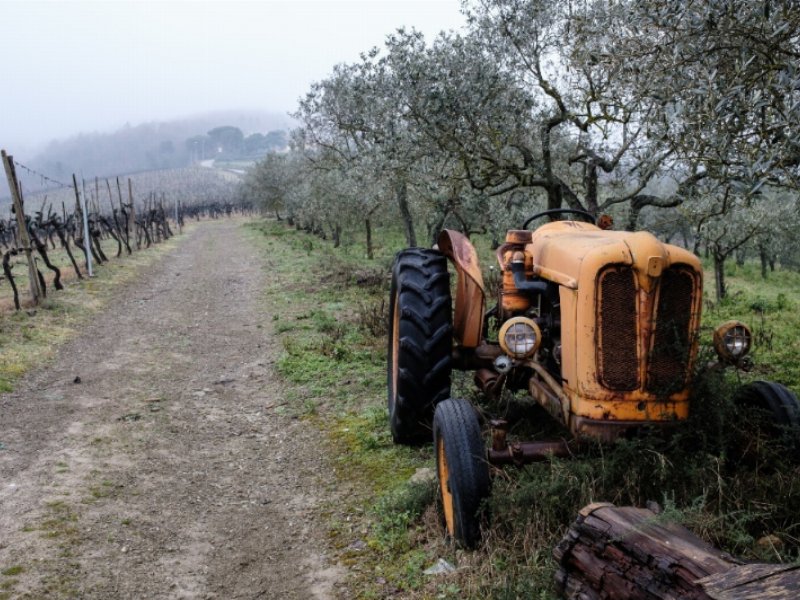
8,164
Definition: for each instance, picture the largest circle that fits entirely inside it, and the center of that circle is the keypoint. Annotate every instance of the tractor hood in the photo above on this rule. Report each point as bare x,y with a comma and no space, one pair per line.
569,248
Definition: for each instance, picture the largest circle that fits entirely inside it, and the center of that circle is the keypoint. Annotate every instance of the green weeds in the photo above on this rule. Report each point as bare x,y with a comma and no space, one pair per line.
736,490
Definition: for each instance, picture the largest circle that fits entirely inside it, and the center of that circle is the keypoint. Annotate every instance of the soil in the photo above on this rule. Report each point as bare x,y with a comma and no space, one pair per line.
151,459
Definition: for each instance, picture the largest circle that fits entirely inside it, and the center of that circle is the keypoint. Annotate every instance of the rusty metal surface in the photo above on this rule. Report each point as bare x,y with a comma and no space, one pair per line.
470,291
488,380
488,351
499,429
518,236
556,391
547,399
578,252
609,430
719,341
481,357
520,453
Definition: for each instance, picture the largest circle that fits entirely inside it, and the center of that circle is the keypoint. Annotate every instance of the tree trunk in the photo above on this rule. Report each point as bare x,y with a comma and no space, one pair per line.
719,275
401,194
633,217
590,182
741,256
368,227
436,228
628,553
553,189
762,254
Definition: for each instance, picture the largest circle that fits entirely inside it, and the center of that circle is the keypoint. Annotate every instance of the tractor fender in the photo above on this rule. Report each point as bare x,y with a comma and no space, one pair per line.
470,292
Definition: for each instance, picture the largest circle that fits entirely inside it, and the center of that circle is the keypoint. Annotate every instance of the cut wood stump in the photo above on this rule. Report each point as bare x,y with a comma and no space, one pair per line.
627,553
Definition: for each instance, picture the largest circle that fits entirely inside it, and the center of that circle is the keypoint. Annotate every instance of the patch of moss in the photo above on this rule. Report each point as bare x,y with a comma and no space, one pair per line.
13,571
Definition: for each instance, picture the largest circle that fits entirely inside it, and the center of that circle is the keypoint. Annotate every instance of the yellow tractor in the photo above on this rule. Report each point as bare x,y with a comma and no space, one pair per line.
599,326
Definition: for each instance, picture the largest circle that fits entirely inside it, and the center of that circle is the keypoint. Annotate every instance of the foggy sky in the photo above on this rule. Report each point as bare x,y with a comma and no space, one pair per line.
73,66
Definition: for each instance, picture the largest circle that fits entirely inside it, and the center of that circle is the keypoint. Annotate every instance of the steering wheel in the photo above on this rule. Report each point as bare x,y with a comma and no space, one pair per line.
560,211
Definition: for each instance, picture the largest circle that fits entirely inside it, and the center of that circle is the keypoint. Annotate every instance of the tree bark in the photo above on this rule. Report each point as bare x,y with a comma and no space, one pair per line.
741,257
401,194
553,195
719,275
628,553
368,227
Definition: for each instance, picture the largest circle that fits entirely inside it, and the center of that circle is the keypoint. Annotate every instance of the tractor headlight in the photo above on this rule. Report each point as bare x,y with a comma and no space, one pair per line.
520,337
732,341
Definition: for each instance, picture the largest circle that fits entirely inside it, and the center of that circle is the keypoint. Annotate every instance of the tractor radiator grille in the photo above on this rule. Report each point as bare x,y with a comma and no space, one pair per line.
617,348
669,358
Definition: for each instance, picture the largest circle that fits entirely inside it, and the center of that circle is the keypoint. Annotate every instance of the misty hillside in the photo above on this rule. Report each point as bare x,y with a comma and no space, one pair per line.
160,145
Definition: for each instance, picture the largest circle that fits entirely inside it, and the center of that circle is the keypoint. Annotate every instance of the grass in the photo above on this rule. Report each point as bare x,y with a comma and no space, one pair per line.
329,310
770,307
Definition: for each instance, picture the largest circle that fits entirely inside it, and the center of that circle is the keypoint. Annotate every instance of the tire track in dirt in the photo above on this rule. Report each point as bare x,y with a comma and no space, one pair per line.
166,473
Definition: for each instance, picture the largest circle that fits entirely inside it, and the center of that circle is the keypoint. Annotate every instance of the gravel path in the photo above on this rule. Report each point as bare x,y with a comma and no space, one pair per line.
167,471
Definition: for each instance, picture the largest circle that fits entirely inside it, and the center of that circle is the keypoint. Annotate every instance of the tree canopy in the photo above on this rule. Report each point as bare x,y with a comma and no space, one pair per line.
689,108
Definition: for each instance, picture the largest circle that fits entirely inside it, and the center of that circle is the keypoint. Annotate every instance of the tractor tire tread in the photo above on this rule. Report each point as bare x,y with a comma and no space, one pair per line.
456,421
421,292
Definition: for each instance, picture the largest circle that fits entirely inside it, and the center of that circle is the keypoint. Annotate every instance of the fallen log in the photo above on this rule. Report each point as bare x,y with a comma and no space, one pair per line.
627,553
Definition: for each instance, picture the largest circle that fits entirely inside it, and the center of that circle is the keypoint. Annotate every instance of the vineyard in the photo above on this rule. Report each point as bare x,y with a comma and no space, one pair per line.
69,228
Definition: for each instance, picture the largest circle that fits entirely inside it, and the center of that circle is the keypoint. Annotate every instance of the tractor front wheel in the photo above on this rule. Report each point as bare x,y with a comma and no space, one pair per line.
462,470
420,342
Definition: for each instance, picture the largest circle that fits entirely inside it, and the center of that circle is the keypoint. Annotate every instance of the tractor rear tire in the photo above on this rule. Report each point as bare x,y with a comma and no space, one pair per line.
420,342
462,470
771,410
778,403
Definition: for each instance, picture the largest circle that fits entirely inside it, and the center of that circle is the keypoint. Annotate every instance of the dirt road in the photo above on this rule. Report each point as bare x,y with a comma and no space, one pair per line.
167,471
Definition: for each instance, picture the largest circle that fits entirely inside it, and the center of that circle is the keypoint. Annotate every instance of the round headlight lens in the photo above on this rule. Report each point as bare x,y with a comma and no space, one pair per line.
732,341
520,337
737,341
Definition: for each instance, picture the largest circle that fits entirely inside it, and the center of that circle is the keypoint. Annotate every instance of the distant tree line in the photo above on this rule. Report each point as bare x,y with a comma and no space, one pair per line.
229,143
683,117
158,146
